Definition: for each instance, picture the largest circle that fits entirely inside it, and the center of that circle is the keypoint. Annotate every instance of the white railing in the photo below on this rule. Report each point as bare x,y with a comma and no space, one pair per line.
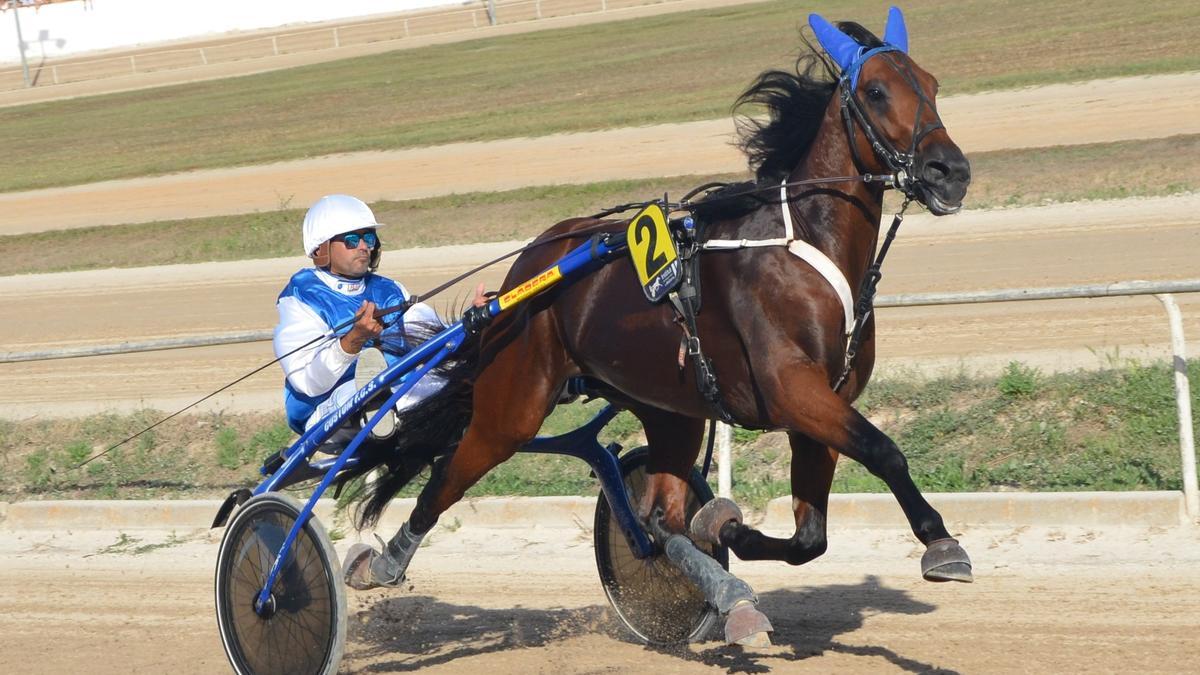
480,16
1163,290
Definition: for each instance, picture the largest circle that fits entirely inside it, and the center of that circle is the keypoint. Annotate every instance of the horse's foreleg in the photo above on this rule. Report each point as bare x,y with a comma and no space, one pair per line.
674,445
812,474
674,442
804,403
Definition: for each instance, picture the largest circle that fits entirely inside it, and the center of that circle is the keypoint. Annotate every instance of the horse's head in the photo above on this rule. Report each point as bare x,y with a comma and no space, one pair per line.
888,104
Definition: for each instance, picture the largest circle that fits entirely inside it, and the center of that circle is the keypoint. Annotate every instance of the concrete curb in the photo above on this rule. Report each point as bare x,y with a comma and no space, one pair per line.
1002,509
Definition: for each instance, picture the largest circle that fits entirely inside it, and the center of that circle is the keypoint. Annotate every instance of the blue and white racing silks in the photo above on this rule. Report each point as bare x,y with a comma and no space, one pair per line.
320,378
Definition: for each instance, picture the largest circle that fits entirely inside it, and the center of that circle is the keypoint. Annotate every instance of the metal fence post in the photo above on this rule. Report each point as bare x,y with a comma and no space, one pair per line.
1183,401
20,42
724,460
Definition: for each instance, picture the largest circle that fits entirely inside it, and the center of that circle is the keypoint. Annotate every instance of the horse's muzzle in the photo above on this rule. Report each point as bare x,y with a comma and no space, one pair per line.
943,174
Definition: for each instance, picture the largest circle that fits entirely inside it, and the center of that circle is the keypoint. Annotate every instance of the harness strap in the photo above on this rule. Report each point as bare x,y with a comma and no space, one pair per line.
802,250
686,300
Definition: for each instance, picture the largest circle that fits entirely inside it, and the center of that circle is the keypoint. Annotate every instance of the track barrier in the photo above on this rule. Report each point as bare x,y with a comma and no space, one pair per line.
1164,291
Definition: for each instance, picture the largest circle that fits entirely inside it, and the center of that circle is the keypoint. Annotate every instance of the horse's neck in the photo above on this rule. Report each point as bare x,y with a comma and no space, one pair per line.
840,219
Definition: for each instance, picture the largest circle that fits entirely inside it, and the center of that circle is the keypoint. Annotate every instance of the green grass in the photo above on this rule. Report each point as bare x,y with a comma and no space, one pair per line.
670,68
1007,178
1108,430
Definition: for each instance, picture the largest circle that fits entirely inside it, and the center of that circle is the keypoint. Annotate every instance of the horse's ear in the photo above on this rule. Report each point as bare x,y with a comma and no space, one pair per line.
837,44
895,32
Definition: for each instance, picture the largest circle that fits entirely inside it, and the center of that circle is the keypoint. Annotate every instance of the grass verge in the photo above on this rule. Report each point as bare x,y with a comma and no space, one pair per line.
1003,178
670,68
1107,430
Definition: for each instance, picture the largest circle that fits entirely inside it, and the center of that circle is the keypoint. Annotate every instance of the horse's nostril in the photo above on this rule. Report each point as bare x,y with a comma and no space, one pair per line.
935,172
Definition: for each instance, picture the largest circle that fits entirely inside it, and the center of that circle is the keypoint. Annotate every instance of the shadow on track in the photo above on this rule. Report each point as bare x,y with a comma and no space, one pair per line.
400,634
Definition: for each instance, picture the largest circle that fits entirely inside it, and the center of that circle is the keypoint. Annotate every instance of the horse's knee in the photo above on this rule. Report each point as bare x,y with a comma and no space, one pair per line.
883,458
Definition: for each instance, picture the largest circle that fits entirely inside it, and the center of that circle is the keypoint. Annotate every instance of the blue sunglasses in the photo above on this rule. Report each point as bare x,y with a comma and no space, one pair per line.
352,240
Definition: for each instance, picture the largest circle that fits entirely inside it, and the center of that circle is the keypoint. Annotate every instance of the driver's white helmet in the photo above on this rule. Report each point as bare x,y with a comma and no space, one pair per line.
333,215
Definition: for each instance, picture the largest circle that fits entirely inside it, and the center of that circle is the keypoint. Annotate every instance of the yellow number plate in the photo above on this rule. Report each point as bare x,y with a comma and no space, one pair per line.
652,249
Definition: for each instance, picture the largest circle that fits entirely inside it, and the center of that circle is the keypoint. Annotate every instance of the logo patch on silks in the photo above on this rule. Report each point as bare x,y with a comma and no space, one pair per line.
652,250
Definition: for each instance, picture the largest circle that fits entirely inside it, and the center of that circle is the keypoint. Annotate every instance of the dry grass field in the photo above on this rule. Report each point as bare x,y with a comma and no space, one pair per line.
675,67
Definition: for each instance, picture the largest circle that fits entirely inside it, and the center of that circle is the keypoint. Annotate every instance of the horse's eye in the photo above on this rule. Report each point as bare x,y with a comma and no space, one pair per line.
875,94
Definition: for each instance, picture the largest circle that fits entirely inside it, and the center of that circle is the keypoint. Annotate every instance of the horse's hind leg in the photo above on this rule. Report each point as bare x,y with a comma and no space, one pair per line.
511,397
812,475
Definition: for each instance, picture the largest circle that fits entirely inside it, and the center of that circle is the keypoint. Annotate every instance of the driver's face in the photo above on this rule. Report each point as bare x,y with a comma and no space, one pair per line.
348,262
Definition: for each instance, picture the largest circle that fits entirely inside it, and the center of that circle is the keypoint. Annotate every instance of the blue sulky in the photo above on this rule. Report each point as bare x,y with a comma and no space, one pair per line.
299,598
582,443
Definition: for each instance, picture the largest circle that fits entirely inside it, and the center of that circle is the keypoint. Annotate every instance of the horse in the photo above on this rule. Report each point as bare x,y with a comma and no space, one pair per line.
773,325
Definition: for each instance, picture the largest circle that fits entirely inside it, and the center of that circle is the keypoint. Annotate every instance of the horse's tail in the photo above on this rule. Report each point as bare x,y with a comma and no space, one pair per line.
424,432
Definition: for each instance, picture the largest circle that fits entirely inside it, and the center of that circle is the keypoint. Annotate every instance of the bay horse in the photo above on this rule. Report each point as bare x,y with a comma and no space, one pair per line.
774,326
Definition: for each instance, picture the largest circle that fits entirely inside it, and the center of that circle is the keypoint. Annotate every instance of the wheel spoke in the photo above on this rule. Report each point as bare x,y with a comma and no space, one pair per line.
652,597
305,631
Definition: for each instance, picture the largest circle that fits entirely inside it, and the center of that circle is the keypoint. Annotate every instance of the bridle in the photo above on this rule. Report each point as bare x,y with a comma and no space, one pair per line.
855,116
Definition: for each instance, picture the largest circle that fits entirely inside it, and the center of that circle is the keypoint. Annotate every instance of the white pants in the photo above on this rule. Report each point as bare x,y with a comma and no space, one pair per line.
426,387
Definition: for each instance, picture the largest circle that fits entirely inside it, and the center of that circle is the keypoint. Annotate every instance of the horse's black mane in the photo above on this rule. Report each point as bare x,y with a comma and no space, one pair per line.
795,103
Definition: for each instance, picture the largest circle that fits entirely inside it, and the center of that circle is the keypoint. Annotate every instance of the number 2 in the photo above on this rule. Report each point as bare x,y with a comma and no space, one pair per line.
655,259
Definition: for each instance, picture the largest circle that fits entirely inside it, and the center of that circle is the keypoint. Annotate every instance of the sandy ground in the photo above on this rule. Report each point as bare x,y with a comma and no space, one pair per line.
1090,112
1049,246
528,601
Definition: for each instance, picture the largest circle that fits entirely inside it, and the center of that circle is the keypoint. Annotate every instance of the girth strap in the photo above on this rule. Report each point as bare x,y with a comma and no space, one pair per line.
685,299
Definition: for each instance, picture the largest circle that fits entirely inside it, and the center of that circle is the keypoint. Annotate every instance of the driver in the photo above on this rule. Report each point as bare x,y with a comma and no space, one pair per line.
340,236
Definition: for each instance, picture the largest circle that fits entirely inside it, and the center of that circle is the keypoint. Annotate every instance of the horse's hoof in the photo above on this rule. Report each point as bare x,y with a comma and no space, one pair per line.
945,560
746,626
707,523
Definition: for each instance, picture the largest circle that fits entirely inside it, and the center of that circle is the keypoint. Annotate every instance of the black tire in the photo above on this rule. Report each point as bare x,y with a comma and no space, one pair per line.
651,597
306,632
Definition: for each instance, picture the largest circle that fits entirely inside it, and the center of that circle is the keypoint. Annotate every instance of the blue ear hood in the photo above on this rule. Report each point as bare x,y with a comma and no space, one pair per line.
848,54
843,50
895,33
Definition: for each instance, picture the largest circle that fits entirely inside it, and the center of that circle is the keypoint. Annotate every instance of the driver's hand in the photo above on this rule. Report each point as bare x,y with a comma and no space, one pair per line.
481,297
365,327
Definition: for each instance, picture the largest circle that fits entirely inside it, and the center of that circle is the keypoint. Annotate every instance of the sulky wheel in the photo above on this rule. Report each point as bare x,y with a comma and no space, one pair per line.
652,597
303,629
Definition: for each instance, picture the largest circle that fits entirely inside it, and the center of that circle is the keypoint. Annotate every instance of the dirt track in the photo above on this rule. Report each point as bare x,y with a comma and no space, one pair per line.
1051,246
520,601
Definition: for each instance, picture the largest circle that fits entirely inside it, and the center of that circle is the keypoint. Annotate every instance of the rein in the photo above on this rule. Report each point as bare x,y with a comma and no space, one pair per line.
901,178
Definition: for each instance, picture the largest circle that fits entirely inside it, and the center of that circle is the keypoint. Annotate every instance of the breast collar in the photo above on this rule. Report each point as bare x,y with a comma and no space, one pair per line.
802,250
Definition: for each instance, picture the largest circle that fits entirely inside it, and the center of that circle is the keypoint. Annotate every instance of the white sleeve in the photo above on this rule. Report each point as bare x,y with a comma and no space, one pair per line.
314,370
